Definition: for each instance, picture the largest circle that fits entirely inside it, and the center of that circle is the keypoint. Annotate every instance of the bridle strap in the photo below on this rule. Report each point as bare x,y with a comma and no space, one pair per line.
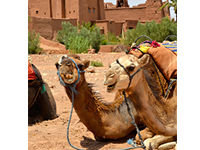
130,77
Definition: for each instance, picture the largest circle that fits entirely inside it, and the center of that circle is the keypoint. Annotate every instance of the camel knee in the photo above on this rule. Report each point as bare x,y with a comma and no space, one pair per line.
146,134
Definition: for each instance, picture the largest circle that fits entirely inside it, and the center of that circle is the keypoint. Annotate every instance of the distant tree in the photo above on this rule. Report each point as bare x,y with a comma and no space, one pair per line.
86,25
172,3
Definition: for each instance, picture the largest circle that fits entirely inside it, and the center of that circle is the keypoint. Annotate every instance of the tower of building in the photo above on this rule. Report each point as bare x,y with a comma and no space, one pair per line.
122,3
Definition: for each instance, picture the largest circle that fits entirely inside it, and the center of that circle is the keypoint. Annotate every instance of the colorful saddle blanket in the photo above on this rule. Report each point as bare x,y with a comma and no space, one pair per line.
171,45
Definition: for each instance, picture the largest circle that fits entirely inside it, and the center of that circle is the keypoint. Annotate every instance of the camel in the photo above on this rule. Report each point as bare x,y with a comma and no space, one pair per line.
158,114
105,121
41,104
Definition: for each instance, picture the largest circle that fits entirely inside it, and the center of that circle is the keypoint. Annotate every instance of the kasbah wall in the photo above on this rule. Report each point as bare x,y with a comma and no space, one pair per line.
47,15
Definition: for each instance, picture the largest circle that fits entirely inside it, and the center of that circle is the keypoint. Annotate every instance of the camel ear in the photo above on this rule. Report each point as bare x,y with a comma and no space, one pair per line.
144,60
86,63
57,65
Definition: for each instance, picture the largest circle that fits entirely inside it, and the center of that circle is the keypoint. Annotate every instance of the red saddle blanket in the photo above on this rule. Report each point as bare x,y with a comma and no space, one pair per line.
31,73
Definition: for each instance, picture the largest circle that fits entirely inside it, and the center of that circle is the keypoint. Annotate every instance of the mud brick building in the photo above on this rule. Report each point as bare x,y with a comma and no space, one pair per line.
47,15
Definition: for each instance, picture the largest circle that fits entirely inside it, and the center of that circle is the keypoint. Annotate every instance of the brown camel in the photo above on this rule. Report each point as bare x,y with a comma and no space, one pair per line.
158,114
105,121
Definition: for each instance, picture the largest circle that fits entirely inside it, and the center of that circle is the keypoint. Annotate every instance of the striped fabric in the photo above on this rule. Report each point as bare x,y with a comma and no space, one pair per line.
172,47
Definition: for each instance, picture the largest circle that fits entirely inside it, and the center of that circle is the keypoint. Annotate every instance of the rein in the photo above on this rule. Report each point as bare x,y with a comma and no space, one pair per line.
128,108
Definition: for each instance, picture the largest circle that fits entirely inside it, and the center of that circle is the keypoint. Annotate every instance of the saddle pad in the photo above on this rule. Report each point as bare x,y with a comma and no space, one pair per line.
172,47
31,73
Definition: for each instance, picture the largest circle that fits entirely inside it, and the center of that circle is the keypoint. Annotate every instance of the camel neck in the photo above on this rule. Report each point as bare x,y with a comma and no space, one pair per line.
152,111
107,121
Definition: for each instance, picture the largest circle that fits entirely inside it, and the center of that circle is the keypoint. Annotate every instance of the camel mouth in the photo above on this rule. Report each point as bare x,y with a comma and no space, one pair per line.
68,78
111,87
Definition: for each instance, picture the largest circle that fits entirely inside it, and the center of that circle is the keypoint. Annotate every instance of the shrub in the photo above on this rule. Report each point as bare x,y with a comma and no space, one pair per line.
95,39
88,26
96,64
156,31
111,38
104,42
79,42
67,32
33,42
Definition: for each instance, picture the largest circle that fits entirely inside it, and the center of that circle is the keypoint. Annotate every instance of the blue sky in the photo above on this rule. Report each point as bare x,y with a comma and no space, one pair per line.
136,2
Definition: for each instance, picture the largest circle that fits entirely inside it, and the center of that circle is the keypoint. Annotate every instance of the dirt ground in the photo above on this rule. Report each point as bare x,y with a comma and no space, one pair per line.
51,134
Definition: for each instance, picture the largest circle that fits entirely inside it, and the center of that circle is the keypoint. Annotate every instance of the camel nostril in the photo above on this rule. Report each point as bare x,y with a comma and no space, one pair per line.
111,75
68,76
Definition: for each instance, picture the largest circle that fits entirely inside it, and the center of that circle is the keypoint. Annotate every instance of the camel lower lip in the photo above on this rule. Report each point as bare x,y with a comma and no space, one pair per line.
111,87
68,78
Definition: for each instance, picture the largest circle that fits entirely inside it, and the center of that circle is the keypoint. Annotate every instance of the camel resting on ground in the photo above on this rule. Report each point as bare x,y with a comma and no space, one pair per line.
158,114
105,121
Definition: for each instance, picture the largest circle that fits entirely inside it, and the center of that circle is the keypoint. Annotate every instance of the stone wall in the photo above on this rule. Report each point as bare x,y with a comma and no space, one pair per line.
122,14
48,27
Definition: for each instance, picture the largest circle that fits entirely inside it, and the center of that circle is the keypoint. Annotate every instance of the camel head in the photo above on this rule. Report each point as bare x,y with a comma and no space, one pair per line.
67,68
117,78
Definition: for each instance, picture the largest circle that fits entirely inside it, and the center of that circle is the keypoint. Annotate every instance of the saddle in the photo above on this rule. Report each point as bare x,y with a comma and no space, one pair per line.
164,55
31,73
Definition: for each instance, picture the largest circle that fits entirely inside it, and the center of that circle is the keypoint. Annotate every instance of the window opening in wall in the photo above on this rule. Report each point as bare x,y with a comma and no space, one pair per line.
70,12
130,27
74,11
93,10
37,12
88,10
154,1
44,13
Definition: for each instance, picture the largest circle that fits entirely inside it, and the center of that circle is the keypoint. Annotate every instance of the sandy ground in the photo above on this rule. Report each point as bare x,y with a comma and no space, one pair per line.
51,134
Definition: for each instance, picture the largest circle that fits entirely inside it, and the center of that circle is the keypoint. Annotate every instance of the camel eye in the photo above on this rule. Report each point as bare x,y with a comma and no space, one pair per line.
131,68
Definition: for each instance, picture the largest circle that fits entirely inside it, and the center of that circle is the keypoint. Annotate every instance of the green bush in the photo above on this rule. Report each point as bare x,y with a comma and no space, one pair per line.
156,31
88,26
78,41
111,38
67,34
95,39
79,44
33,42
96,64
104,42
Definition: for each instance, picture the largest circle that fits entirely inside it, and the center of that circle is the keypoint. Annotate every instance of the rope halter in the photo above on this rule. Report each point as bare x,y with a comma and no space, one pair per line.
73,85
130,76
